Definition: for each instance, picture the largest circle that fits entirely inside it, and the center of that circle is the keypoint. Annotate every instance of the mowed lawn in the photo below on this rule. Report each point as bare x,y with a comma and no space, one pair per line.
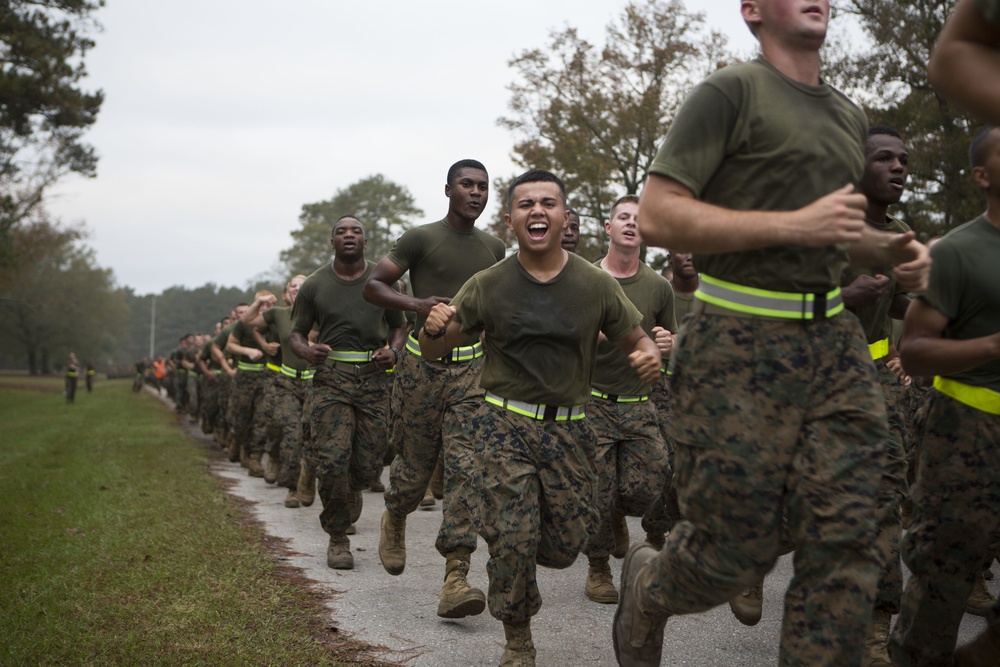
118,547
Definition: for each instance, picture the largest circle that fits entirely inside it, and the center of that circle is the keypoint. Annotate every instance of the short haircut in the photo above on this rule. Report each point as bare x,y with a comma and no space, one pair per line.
572,212
347,217
883,129
626,199
464,164
534,176
242,303
980,146
263,292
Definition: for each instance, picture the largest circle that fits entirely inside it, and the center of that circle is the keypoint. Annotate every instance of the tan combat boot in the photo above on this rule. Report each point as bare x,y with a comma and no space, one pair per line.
232,450
520,650
600,585
748,606
254,468
620,529
338,554
271,469
428,500
292,499
392,543
980,599
877,641
306,487
637,635
458,599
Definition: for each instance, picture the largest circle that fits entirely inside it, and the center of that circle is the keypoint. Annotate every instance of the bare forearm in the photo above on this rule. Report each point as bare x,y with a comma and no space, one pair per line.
929,356
965,63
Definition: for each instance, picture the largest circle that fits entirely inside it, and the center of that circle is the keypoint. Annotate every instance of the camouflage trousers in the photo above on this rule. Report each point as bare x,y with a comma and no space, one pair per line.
209,400
248,390
432,408
289,395
265,436
892,492
222,424
774,417
347,424
539,502
193,380
956,506
664,512
631,461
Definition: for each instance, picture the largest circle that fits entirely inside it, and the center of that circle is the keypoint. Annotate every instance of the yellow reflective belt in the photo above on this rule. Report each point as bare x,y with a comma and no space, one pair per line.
768,303
467,353
980,398
246,366
879,349
91,372
307,374
618,398
538,411
273,367
71,374
351,356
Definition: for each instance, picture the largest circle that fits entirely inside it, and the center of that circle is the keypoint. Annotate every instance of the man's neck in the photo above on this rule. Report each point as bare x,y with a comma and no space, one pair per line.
350,268
546,266
992,213
621,264
684,285
798,64
876,213
458,222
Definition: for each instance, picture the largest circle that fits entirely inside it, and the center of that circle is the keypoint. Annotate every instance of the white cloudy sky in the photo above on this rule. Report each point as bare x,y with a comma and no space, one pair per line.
222,117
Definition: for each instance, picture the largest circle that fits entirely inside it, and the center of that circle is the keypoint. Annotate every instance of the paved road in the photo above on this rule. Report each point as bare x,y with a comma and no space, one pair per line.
400,612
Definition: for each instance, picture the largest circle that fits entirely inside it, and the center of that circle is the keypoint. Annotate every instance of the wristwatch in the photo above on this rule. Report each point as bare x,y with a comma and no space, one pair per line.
434,336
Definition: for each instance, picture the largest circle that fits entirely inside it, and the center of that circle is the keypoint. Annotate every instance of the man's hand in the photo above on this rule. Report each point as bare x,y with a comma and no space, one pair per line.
647,364
424,306
254,354
272,348
384,357
439,316
912,261
865,290
318,353
895,365
664,340
839,217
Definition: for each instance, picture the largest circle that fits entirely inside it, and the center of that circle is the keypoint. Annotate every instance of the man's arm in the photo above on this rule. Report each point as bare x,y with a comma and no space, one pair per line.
379,290
221,359
924,351
441,316
910,259
314,353
270,347
233,346
965,62
671,217
254,318
643,355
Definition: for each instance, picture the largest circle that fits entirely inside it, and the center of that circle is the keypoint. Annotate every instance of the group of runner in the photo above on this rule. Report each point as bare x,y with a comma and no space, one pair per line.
557,396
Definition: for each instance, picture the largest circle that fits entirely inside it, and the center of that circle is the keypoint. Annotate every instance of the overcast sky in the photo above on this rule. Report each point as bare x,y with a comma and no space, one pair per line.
222,118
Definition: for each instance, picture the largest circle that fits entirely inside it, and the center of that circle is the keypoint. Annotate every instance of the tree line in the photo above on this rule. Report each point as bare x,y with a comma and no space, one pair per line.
593,113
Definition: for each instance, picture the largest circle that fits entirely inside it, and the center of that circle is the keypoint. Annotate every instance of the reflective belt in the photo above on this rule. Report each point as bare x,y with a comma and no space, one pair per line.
458,354
91,372
766,303
217,371
879,349
351,356
273,367
537,411
246,366
618,398
307,374
71,374
357,370
980,398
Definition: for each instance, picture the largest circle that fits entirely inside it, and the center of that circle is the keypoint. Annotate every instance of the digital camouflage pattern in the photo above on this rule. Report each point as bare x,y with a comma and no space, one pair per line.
892,492
248,387
288,401
956,508
539,494
209,399
432,409
631,462
771,417
347,424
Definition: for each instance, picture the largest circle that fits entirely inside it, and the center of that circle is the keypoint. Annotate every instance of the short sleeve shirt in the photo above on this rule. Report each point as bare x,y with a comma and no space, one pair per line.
441,258
280,322
749,138
541,337
963,287
875,318
345,321
654,298
244,336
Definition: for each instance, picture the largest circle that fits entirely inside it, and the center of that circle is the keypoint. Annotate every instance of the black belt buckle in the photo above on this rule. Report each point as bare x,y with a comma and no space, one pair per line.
819,306
550,413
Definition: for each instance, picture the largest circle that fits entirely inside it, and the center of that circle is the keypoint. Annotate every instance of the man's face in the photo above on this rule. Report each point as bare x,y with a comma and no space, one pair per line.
623,227
886,169
795,21
571,233
188,341
469,191
682,265
239,312
349,239
537,217
987,175
292,289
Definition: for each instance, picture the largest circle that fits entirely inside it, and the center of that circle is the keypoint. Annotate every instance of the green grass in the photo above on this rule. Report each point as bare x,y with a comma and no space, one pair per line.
118,547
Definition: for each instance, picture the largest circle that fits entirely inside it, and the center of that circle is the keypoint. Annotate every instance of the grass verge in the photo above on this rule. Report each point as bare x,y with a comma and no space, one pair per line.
118,547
